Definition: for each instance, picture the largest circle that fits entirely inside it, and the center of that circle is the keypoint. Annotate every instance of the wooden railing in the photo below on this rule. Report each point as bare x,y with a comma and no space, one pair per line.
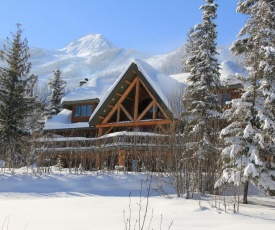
121,140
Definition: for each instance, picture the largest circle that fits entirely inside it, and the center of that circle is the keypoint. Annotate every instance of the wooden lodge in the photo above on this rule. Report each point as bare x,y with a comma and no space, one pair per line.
124,124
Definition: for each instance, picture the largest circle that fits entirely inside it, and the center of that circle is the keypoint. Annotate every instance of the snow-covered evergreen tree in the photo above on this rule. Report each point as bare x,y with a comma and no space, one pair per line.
57,86
189,49
249,137
200,102
17,101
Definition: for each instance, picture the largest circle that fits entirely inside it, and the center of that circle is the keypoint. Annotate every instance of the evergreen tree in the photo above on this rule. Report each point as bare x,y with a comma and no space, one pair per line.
202,108
57,86
17,101
189,48
249,137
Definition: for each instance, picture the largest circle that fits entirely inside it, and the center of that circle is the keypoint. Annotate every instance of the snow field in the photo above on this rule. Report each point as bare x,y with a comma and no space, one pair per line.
99,201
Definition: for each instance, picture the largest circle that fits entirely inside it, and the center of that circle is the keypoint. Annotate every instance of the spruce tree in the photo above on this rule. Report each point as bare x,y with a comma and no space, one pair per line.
17,101
57,86
189,48
249,137
201,105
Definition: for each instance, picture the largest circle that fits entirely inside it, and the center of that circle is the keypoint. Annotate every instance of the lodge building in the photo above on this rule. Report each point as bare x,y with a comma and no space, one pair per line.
123,124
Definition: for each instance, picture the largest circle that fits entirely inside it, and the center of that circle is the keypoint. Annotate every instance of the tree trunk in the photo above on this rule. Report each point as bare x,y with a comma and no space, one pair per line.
245,192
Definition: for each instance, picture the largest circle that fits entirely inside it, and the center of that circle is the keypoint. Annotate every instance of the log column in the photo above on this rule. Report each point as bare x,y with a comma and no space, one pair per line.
98,161
121,157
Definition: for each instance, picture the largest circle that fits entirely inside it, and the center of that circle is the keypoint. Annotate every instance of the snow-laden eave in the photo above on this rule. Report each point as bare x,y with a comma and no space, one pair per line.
72,126
66,104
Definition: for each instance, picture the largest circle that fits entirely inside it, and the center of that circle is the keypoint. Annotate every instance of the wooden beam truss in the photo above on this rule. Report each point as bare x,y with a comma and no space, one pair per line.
134,116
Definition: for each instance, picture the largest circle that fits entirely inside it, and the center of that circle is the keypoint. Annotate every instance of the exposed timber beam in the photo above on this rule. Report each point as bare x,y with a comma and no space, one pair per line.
136,100
162,110
154,110
127,113
109,130
131,124
118,115
120,100
145,111
120,95
151,95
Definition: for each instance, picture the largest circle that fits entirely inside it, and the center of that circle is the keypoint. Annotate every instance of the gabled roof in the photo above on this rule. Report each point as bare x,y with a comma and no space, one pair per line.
161,86
93,90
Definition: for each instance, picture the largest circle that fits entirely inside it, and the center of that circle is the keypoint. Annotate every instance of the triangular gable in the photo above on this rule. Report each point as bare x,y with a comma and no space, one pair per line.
132,101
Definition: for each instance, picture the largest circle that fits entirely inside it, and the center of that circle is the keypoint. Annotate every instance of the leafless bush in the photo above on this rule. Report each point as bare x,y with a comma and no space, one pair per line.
144,220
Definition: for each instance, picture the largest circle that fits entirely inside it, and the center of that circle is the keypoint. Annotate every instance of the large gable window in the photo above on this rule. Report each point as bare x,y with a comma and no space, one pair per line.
83,110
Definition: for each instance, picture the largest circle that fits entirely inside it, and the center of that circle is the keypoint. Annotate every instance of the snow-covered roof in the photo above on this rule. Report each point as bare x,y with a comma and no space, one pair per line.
163,84
93,89
181,77
229,72
63,121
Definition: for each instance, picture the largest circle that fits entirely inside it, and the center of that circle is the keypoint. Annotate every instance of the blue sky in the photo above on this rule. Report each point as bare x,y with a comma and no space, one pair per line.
154,26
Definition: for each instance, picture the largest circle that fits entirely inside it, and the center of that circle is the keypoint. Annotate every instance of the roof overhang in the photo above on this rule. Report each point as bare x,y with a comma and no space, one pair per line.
69,104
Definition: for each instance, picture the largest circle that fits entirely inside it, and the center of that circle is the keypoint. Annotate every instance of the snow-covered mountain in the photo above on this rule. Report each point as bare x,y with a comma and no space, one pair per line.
87,57
90,44
94,56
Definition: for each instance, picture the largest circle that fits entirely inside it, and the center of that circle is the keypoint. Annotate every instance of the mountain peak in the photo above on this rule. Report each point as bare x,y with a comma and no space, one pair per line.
88,45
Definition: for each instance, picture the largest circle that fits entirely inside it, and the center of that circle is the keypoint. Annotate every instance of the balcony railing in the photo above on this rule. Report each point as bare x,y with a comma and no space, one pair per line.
120,140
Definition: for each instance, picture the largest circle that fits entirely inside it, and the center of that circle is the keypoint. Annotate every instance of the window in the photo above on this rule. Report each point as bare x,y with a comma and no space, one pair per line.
224,97
83,110
227,96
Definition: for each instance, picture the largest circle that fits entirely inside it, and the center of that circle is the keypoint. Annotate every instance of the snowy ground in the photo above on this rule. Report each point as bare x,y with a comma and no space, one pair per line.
101,201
